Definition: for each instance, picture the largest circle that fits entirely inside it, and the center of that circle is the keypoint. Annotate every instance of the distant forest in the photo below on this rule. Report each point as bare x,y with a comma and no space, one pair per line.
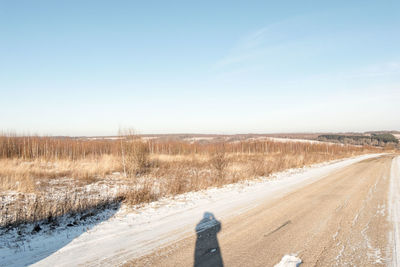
373,139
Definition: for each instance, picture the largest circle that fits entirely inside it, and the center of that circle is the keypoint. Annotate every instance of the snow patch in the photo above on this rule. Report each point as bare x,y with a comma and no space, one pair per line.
289,261
292,140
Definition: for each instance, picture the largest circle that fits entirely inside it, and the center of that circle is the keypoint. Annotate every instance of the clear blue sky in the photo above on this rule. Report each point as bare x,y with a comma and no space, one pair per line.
90,67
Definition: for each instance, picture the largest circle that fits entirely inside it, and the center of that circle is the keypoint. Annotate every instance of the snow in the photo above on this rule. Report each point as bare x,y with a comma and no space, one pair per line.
20,247
147,138
293,140
283,140
394,209
195,139
103,138
289,261
133,232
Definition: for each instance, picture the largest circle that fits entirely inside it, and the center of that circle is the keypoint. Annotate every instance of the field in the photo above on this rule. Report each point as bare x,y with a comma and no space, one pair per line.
43,179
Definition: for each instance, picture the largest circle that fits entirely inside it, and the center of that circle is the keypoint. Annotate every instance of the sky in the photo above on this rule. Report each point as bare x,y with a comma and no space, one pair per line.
93,67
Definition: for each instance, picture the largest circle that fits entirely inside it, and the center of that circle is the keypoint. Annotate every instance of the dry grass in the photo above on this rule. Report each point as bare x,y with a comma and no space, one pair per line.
21,175
29,166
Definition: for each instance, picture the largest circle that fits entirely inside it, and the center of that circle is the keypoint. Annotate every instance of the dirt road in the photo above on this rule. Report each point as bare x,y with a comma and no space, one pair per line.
340,220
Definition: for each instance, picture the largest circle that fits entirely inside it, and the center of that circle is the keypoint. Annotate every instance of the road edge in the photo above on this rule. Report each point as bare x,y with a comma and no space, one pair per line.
394,210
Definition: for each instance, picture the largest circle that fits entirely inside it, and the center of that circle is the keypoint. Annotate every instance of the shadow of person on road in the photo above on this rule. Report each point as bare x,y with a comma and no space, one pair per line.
207,251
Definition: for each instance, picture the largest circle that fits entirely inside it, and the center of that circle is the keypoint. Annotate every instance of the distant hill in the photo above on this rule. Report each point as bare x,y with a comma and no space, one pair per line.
377,138
371,138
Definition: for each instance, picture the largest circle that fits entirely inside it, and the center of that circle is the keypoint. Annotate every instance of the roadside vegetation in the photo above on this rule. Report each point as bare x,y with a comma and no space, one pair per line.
45,178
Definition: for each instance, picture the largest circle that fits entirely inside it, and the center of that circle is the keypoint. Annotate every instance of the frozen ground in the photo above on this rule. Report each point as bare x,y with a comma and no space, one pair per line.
62,190
113,237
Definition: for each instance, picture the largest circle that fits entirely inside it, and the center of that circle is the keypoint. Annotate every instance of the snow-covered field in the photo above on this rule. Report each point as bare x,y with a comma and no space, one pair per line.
197,139
113,237
289,140
59,190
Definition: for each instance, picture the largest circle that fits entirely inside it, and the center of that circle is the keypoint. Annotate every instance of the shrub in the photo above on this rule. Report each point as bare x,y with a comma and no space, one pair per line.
135,154
219,160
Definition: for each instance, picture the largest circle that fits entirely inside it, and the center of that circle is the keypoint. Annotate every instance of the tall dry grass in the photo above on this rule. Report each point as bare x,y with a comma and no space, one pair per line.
56,148
22,175
148,169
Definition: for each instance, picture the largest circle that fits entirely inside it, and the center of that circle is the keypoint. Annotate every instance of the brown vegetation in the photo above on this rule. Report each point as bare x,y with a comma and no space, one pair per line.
129,169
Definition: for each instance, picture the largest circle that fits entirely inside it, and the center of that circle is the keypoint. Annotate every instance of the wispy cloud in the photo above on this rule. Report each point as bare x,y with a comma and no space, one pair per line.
249,47
264,41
